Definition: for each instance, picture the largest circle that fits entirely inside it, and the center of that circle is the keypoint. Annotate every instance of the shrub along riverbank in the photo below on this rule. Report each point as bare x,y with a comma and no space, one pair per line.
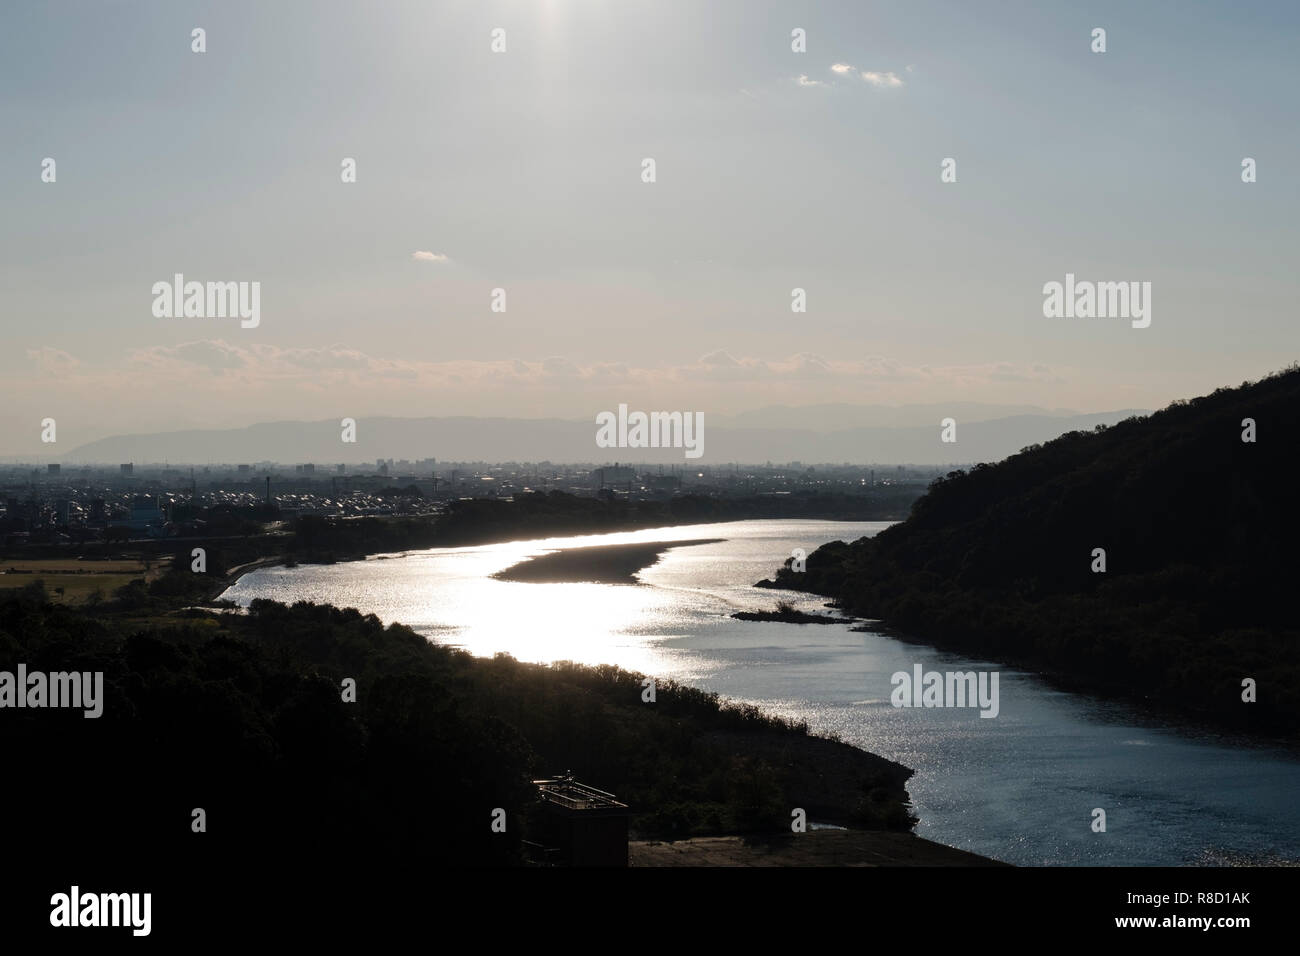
244,716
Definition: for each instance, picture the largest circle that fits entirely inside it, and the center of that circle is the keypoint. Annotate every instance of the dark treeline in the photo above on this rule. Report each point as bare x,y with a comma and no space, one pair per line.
1199,529
544,514
316,540
238,536
244,716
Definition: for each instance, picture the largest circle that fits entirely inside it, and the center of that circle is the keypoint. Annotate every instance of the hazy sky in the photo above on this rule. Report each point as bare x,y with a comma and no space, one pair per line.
523,169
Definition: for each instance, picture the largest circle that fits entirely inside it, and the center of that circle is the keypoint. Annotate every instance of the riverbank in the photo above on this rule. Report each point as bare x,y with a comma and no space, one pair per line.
814,848
835,783
691,765
786,613
970,789
246,539
232,576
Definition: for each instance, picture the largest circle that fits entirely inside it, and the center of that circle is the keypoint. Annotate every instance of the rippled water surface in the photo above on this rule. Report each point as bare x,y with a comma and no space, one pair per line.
1020,787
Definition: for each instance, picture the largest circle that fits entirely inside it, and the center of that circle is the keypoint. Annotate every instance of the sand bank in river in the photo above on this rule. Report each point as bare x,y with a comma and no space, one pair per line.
602,564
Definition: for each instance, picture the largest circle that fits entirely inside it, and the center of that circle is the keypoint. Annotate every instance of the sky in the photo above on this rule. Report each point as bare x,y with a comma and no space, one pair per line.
522,170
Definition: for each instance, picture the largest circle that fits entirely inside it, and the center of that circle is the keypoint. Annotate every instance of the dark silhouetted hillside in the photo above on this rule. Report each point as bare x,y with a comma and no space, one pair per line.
244,716
1199,530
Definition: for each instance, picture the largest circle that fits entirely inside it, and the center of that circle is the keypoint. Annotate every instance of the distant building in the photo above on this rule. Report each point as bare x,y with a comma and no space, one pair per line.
52,469
127,470
579,825
146,515
245,469
613,474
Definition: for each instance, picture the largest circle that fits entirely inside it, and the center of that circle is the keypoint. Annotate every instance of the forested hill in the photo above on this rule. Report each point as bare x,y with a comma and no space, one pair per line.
249,718
1199,529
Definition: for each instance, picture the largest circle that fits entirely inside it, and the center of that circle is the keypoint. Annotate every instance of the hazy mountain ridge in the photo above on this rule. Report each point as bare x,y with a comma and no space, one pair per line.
558,440
843,416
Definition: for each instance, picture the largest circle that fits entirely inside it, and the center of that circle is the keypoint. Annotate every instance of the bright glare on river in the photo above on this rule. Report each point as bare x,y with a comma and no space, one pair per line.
1020,787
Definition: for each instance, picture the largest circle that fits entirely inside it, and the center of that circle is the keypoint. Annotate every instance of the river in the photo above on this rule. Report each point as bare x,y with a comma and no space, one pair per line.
1019,787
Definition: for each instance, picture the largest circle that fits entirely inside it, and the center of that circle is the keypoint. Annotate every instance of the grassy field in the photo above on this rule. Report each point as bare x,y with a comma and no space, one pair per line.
70,581
72,566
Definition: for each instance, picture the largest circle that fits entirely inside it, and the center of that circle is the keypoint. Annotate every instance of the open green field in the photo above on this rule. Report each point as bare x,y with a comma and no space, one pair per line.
69,581
71,566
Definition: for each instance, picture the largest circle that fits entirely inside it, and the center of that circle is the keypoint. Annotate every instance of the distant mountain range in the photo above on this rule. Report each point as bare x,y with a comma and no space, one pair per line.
811,434
843,416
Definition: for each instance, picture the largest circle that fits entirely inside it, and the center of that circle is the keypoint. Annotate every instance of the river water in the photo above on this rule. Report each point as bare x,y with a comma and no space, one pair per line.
1020,787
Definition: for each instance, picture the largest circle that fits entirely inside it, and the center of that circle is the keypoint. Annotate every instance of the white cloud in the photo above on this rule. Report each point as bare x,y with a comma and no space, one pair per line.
212,355
720,357
841,68
810,362
258,361
245,379
559,367
53,360
803,80
887,80
428,256
340,364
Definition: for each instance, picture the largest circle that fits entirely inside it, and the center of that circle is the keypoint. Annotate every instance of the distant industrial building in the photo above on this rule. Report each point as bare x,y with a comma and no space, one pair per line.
52,469
613,474
127,470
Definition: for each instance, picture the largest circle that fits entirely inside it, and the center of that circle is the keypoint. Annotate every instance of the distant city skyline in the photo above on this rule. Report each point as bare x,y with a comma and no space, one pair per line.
916,434
522,170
